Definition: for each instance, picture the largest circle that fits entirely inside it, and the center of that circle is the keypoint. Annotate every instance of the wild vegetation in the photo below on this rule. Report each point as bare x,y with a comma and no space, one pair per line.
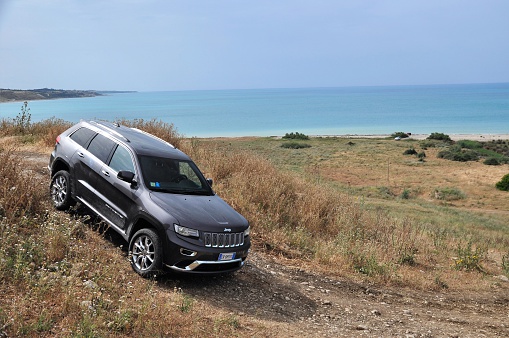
361,210
492,153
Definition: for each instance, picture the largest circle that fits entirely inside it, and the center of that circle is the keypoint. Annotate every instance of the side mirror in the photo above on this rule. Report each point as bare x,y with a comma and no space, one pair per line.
209,181
126,176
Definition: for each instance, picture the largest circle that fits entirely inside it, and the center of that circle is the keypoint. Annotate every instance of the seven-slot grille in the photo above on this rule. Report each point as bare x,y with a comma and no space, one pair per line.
223,240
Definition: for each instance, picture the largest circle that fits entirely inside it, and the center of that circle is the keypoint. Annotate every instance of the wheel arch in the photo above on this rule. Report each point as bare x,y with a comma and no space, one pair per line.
58,165
144,223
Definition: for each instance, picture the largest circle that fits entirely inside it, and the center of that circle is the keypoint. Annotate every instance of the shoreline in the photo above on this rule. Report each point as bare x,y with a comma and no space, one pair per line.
481,137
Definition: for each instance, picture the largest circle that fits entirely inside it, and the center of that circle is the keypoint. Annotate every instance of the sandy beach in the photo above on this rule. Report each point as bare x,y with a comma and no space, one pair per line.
454,137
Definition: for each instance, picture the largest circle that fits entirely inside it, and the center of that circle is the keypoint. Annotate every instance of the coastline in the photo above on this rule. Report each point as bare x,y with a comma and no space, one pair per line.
482,137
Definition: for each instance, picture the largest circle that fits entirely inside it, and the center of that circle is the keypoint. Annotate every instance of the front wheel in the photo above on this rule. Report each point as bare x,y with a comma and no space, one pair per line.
60,190
145,253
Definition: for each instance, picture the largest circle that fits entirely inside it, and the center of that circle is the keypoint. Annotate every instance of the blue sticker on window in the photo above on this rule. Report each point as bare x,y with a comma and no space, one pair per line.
155,184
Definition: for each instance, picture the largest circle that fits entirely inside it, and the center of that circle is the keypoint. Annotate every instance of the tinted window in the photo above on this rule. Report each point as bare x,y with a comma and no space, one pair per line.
101,147
172,175
82,136
121,160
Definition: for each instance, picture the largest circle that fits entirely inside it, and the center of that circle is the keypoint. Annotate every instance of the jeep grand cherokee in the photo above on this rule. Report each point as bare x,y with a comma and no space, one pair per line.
152,194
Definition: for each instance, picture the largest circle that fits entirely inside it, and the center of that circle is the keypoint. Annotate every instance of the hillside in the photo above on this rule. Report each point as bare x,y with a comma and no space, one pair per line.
64,275
7,95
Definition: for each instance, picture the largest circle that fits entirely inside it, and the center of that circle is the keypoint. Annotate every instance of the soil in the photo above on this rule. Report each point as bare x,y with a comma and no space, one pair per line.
273,297
298,303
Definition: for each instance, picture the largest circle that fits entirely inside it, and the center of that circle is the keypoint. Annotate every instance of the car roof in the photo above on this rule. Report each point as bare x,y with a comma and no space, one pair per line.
141,142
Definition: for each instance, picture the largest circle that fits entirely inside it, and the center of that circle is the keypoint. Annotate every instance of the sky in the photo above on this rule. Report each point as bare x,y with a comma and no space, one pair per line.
157,45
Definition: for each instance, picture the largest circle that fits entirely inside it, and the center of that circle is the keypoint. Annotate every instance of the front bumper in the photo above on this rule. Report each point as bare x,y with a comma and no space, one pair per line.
183,256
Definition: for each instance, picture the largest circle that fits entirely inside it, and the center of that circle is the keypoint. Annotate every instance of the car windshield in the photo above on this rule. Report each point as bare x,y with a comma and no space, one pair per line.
174,176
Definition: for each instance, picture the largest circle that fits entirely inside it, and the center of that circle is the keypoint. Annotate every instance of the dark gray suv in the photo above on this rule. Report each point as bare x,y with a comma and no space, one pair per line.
150,193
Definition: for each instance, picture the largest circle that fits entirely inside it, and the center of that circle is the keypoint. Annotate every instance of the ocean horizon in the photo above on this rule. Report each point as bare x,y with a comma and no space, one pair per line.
373,110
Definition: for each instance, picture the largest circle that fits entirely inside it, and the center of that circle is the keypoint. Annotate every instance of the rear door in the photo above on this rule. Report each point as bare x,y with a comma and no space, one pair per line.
118,196
88,164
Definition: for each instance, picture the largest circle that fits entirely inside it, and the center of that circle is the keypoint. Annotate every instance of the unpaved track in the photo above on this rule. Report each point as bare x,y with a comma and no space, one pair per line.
298,303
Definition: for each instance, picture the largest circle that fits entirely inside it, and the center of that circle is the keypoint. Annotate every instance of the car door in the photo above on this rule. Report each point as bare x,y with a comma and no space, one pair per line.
119,196
88,164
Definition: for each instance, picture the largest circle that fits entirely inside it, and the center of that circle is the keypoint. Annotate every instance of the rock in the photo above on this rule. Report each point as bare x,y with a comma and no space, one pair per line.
503,278
90,284
376,312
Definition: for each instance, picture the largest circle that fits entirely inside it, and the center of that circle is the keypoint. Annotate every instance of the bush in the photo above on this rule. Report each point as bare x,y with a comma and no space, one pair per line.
439,137
410,151
469,144
469,259
399,134
491,161
455,153
448,194
503,184
295,145
296,136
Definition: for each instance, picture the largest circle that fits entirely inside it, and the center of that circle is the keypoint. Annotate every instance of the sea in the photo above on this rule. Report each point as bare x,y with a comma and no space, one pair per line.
373,110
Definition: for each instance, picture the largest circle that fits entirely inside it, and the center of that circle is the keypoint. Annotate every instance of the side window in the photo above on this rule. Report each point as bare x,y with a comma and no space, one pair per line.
101,147
82,136
185,169
121,160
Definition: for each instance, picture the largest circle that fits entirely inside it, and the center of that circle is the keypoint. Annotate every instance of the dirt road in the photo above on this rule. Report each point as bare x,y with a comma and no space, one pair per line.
298,303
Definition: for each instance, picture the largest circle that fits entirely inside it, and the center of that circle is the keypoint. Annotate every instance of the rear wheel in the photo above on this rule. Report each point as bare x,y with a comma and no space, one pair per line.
60,190
145,251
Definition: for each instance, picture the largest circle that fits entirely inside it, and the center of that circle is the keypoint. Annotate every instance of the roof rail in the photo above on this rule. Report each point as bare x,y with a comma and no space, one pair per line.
105,125
153,136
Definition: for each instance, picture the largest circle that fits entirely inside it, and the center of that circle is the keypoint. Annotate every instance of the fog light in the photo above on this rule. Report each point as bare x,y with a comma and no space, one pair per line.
187,252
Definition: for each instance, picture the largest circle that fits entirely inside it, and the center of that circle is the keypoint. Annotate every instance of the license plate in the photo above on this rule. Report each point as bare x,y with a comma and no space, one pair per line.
226,256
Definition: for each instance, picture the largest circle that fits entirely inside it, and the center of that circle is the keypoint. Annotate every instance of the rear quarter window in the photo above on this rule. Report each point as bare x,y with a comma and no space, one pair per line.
82,136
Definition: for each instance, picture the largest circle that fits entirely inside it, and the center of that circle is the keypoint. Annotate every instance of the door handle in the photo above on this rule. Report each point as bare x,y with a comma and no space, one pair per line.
81,155
105,173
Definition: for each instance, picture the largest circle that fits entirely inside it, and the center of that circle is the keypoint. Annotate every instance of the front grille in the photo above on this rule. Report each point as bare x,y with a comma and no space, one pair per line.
222,240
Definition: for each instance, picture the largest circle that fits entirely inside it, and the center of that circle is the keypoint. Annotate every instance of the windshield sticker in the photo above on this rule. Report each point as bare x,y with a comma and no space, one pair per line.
155,184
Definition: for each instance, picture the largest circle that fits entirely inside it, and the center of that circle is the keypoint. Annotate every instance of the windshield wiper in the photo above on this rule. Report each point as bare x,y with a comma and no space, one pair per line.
182,191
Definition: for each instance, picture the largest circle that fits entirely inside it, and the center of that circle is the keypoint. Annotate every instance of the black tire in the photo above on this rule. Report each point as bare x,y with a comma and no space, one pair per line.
60,190
145,253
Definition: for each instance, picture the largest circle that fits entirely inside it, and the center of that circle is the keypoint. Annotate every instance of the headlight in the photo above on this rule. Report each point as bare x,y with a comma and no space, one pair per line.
188,232
247,231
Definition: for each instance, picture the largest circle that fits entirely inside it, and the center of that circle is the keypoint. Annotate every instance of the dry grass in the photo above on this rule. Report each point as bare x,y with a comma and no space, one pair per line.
339,206
332,207
59,277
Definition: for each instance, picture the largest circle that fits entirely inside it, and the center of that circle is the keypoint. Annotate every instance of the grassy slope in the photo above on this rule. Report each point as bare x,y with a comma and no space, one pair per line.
331,203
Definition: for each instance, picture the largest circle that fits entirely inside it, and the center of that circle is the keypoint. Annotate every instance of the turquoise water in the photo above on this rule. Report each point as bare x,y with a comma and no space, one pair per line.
451,109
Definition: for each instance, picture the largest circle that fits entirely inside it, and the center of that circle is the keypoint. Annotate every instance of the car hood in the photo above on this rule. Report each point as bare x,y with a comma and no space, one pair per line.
206,213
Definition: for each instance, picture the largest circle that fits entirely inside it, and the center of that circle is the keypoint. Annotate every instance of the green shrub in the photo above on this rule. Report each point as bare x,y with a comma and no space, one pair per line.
439,137
399,134
455,153
296,136
410,151
469,144
491,161
469,259
405,194
295,145
448,194
503,184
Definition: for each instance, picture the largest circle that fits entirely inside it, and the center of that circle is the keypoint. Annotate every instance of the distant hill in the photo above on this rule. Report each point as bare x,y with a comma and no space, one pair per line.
7,95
